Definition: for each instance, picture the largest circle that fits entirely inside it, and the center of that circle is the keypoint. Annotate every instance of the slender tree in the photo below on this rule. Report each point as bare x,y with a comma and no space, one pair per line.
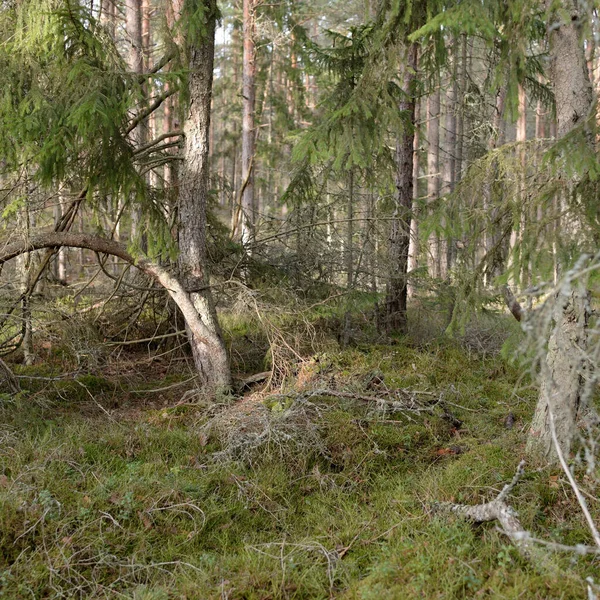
399,240
248,123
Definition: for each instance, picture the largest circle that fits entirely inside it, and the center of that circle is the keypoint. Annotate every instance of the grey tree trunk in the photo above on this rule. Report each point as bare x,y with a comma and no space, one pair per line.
563,368
199,326
24,268
399,239
210,355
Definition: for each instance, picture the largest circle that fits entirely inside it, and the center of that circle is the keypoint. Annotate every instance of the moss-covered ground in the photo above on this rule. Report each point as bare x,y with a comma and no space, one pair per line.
106,492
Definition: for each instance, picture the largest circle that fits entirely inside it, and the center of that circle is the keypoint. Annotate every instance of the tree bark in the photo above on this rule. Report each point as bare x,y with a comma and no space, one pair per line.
563,368
200,329
433,174
135,60
248,125
413,249
210,355
399,240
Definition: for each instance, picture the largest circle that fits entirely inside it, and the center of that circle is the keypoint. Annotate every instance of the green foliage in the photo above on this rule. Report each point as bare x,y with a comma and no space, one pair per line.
65,97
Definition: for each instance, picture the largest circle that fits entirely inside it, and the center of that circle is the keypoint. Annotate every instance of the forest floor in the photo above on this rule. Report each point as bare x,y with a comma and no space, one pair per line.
118,484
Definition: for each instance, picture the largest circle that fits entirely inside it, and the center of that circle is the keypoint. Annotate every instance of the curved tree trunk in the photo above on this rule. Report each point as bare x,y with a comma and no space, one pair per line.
562,371
214,368
210,355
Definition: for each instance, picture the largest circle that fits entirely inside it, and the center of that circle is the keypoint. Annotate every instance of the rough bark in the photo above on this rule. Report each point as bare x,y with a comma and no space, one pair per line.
210,355
562,377
563,368
399,239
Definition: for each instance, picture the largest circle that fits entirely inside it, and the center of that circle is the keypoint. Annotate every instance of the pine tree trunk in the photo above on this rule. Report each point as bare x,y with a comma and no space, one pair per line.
413,248
515,254
210,355
460,117
494,255
562,370
248,126
433,174
135,60
448,165
399,239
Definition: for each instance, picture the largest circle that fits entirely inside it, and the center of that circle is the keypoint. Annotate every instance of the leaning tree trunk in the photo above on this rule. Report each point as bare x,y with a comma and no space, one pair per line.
210,355
399,240
200,322
562,370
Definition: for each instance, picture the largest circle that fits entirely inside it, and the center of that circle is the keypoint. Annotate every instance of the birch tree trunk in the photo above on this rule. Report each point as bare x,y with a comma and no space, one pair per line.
210,355
399,239
563,368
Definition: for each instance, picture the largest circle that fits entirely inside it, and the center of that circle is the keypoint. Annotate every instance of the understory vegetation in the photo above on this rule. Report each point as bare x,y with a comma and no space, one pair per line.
125,482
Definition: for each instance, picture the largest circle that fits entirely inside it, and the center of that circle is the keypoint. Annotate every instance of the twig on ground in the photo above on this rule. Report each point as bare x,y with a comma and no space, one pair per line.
499,510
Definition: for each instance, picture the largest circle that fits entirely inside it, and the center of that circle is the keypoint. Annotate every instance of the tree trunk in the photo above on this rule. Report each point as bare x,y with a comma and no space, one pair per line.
399,240
449,163
460,117
349,256
135,60
248,126
24,270
433,174
495,257
561,386
413,248
210,355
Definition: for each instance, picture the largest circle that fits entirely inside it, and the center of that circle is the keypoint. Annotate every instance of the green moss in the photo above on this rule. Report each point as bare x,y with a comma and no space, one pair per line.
145,507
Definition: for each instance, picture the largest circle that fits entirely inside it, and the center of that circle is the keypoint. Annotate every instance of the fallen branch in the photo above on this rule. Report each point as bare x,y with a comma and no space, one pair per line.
8,376
496,510
398,403
507,517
